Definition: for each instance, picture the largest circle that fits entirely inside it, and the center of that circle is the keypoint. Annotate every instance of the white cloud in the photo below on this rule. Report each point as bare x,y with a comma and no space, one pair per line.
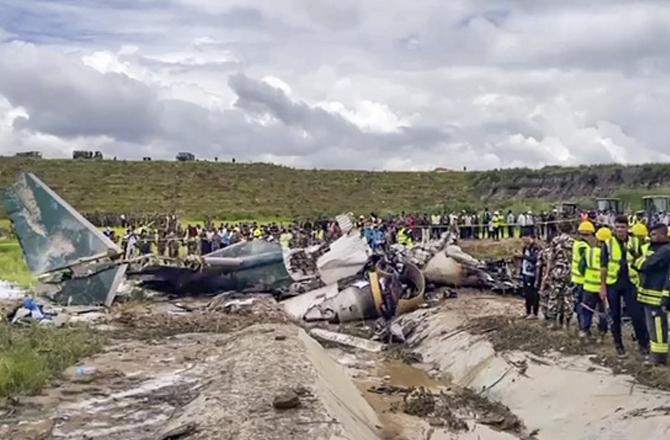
395,85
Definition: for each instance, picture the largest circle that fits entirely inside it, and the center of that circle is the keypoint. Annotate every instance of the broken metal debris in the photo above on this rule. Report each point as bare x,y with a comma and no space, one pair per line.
347,340
336,282
287,399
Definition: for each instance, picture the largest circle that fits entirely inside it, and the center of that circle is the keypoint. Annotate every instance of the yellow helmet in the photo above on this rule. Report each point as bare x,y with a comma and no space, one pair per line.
604,234
586,227
640,230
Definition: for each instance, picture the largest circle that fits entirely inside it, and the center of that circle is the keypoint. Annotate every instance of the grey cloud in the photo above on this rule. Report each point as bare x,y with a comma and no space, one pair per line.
66,99
471,84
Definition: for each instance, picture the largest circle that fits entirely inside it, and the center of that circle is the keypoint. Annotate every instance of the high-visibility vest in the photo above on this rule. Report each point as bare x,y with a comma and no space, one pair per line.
592,273
579,249
647,295
616,254
403,237
634,249
258,233
497,221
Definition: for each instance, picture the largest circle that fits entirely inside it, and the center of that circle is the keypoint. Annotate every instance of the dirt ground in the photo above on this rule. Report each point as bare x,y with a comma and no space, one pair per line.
211,368
157,320
513,333
491,249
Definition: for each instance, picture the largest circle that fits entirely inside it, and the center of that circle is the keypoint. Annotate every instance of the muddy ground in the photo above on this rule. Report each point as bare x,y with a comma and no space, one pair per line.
536,337
152,321
173,363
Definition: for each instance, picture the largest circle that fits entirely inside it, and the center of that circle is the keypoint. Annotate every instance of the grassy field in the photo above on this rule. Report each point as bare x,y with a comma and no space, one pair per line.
30,357
263,191
238,191
12,264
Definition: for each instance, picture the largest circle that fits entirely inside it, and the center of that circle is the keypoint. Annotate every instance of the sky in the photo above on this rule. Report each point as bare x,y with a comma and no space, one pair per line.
377,85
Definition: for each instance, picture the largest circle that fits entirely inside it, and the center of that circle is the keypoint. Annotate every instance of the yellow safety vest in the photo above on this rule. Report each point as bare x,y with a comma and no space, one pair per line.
592,273
579,249
634,248
496,221
615,256
403,237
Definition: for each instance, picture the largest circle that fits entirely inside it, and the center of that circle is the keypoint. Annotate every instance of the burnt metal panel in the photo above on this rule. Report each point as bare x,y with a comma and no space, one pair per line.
259,265
98,289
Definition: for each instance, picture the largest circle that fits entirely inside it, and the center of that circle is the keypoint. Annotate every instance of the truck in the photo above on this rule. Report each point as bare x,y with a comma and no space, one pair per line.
185,156
85,154
29,154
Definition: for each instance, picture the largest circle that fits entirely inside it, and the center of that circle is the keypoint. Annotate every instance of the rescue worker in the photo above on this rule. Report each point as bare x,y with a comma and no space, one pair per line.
496,224
591,300
258,233
616,287
579,249
654,266
529,255
404,237
639,238
556,281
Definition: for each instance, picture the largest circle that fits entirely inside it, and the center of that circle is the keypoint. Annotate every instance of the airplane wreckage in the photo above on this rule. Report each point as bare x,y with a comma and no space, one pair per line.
337,282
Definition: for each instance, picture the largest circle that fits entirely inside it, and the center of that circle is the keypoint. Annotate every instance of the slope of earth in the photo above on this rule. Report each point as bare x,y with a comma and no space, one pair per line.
264,191
268,381
237,191
577,183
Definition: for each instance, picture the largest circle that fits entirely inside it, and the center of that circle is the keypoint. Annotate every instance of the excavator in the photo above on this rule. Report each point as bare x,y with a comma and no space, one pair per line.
610,204
654,205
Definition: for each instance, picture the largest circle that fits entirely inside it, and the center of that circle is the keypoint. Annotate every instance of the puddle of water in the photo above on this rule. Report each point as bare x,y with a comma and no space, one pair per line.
401,374
396,425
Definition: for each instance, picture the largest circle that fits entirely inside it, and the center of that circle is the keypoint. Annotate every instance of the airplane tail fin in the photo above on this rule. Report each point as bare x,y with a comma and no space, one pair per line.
55,237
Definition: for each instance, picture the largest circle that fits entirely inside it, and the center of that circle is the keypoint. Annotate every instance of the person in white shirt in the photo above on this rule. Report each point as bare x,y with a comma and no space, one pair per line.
521,220
530,223
435,220
510,224
468,226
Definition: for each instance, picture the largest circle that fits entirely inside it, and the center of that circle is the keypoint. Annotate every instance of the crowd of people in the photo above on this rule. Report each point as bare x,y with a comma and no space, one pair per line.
172,239
487,224
614,266
610,270
165,235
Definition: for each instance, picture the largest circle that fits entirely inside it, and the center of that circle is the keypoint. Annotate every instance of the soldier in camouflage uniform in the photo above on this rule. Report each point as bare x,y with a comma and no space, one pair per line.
161,242
556,281
541,270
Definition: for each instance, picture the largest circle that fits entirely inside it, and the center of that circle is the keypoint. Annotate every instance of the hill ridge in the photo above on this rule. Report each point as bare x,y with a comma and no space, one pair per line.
261,190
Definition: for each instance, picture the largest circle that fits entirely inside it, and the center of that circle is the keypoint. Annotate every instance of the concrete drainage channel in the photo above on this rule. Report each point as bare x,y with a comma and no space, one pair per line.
469,390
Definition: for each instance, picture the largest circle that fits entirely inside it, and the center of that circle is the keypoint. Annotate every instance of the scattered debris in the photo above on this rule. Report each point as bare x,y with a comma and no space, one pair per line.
179,432
454,407
287,399
347,340
31,310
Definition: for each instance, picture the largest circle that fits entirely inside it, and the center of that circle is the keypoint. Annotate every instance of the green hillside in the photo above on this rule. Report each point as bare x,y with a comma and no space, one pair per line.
236,191
263,191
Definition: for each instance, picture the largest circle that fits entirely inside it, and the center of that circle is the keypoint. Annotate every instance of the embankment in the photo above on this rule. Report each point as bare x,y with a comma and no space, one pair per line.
264,191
